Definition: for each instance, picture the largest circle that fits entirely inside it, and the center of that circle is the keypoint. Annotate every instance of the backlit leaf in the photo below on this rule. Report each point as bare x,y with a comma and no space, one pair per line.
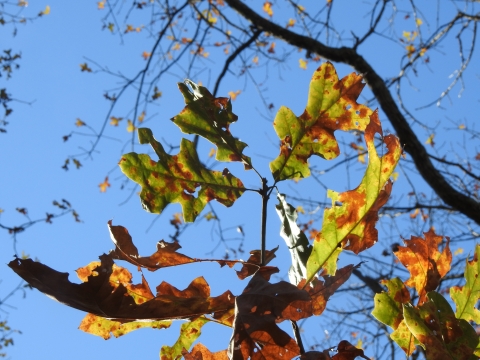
104,185
426,264
302,63
189,332
210,118
200,352
104,328
130,126
79,123
258,310
388,305
97,295
331,106
350,223
165,256
175,179
467,296
267,7
114,120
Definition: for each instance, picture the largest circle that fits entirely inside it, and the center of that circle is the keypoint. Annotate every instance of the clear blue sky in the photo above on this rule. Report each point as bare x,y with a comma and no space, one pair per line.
32,153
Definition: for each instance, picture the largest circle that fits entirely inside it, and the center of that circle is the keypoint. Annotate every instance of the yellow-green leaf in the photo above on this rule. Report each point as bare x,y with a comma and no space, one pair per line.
210,118
331,106
189,332
176,179
350,223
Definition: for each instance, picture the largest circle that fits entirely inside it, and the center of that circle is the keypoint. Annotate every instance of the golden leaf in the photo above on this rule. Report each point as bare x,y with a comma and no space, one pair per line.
114,120
101,5
79,123
267,7
291,23
130,126
302,63
103,186
233,95
141,117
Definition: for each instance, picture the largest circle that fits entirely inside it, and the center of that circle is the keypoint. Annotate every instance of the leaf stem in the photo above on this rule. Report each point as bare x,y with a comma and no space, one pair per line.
298,338
265,196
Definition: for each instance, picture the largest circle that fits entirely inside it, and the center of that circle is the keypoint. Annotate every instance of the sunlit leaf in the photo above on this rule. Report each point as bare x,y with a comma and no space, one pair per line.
211,118
388,305
46,11
466,297
146,55
350,223
101,5
267,7
176,179
104,328
189,332
291,23
130,126
104,185
200,352
430,141
302,63
331,106
418,21
79,123
255,60
114,120
426,264
141,117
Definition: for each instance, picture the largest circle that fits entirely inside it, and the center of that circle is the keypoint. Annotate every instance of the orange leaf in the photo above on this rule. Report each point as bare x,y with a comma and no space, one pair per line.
267,7
426,264
79,123
103,186
146,55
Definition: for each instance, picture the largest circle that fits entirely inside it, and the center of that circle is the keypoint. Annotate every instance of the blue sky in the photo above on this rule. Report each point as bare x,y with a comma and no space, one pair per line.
58,93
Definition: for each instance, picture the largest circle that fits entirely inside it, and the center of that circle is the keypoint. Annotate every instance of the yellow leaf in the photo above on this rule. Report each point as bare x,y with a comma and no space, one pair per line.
410,50
46,11
103,186
212,152
110,27
176,46
462,127
419,22
210,216
141,117
300,9
205,54
291,23
139,28
303,64
267,7
395,176
422,51
146,55
84,67
114,120
414,214
406,35
300,209
79,123
101,5
130,126
255,60
233,95
1,210
458,252
22,3
129,29
430,140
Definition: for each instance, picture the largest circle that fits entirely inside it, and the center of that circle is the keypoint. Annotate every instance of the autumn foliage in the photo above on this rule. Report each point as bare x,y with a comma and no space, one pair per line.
114,305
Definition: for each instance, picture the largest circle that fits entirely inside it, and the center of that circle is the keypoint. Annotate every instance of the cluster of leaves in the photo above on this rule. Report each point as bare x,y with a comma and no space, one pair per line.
116,306
431,322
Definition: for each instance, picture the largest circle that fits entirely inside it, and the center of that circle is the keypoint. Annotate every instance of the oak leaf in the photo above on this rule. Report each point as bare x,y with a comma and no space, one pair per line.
350,223
426,264
211,118
175,179
332,105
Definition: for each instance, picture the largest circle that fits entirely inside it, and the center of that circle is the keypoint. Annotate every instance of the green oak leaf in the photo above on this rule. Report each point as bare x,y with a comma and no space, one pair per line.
189,332
350,223
210,118
175,179
388,305
466,297
332,105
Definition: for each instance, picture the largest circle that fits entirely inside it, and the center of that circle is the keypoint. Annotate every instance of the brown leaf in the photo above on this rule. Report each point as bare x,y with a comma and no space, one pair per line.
165,256
200,352
347,351
425,262
250,269
99,297
320,291
258,310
